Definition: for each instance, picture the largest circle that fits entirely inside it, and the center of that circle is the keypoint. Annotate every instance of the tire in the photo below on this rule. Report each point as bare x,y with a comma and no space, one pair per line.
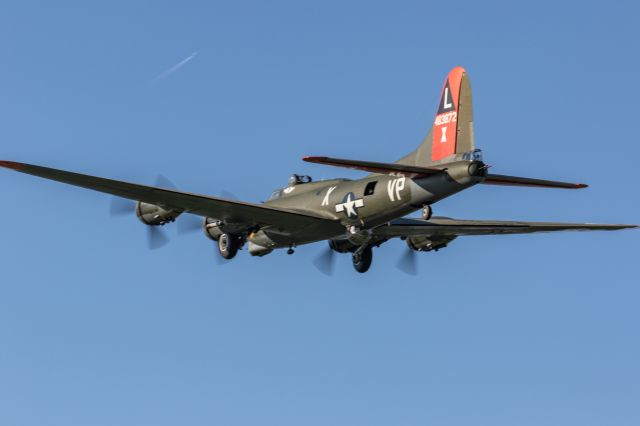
362,261
228,245
427,212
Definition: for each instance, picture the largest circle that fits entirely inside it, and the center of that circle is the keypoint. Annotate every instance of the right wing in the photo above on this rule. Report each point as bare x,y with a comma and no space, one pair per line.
218,208
448,227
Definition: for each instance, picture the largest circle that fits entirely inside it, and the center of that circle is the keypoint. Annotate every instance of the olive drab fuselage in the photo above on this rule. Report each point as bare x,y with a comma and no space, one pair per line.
358,205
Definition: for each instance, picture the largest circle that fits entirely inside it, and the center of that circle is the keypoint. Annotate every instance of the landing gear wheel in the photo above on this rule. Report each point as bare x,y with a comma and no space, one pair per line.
362,260
228,245
426,212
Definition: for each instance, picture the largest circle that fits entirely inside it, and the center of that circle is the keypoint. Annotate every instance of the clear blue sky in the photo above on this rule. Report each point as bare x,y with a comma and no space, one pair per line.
513,330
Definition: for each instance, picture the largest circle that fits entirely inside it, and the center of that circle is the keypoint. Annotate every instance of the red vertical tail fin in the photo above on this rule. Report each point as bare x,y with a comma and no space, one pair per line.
445,125
452,130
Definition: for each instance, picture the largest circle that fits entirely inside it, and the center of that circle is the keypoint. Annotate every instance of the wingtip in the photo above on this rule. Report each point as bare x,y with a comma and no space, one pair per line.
11,165
312,159
623,226
581,185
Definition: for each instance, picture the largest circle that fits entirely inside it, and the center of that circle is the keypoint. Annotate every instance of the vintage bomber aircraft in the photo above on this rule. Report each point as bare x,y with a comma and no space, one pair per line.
353,215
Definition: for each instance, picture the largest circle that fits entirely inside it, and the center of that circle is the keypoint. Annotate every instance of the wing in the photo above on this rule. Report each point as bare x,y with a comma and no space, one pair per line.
447,227
218,208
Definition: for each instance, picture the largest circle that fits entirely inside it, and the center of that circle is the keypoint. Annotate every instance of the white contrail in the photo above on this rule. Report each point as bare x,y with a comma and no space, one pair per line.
174,68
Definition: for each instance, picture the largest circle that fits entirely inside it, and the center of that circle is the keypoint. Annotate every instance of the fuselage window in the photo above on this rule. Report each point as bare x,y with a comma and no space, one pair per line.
370,188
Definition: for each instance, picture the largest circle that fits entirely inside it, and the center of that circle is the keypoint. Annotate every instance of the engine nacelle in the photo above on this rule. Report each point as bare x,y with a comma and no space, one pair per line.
150,214
260,243
420,243
258,250
342,246
213,228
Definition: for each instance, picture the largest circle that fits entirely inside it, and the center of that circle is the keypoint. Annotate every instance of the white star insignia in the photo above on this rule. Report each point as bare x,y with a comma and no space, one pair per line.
350,206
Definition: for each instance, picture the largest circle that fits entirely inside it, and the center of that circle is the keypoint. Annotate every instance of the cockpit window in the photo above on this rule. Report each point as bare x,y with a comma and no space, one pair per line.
276,194
299,179
370,188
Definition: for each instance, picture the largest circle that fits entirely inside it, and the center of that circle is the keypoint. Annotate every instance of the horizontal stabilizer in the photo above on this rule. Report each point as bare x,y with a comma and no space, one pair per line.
521,181
373,167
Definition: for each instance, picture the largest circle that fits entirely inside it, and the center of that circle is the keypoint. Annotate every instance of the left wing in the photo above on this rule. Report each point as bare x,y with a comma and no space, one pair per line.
228,210
448,227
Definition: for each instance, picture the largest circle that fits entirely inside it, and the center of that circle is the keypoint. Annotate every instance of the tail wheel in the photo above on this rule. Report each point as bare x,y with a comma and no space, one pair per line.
228,245
362,260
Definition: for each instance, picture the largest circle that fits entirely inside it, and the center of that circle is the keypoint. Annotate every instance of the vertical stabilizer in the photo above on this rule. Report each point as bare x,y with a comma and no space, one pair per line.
452,132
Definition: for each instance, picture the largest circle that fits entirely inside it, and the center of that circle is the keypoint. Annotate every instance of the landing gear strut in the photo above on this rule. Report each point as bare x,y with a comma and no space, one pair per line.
362,259
228,245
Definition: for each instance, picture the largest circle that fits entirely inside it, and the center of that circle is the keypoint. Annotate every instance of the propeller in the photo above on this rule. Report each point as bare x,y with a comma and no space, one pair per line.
156,237
163,182
188,223
121,206
228,195
408,262
325,262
